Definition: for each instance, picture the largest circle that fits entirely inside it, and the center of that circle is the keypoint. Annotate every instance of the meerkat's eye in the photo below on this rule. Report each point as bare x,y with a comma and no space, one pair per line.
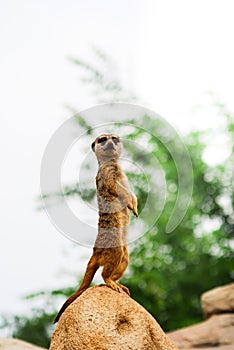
102,140
115,139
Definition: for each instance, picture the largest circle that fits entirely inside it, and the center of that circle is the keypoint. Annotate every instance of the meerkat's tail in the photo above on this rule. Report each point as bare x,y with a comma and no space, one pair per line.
88,277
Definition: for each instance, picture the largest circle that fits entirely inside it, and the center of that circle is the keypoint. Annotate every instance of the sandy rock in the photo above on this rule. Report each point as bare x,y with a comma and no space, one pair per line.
217,331
16,344
103,319
218,300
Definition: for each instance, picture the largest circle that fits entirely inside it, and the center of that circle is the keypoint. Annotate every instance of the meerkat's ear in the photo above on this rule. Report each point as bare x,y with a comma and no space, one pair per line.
93,146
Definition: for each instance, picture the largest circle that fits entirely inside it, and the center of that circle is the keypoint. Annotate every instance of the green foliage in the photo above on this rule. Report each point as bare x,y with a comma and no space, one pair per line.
37,326
34,329
168,272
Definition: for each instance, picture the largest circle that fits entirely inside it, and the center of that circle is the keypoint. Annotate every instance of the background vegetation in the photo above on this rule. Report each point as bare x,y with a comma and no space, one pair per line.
167,272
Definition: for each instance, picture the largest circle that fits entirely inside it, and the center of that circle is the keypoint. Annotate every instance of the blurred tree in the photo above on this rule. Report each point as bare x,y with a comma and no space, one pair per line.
167,272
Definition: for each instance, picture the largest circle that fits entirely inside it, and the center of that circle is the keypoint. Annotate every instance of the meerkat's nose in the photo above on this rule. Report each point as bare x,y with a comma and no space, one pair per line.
110,145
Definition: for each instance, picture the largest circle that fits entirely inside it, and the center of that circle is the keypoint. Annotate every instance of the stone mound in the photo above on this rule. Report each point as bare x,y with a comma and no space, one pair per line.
104,319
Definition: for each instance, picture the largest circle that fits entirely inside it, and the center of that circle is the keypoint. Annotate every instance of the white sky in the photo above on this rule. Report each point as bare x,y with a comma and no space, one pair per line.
170,52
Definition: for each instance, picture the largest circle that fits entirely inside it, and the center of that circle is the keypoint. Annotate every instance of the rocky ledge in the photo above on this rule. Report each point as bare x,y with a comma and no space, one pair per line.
217,331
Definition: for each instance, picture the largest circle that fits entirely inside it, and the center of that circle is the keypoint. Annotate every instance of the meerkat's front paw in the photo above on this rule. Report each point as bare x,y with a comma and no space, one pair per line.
133,205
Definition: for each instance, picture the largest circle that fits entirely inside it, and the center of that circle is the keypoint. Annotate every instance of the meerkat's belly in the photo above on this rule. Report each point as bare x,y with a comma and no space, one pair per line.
112,229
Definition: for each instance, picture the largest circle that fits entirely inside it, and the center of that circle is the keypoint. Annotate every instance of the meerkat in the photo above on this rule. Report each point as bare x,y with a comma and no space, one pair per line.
115,201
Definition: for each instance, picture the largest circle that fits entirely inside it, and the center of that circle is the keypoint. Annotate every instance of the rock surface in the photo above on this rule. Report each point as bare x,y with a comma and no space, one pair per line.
103,319
218,300
217,332
16,344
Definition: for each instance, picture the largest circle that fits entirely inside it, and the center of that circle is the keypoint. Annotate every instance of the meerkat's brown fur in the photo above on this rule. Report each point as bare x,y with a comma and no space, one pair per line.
115,200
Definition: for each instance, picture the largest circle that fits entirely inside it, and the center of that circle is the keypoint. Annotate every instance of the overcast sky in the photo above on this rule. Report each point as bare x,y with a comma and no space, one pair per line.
171,53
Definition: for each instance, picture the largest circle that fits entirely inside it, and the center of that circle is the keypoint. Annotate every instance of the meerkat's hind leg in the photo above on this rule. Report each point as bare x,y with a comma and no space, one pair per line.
120,269
116,277
106,275
111,282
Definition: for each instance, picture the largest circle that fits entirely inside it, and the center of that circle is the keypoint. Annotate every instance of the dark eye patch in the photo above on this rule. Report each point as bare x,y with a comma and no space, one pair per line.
102,140
115,139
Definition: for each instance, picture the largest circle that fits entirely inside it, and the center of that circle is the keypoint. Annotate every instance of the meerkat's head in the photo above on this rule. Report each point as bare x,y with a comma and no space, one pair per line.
107,147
